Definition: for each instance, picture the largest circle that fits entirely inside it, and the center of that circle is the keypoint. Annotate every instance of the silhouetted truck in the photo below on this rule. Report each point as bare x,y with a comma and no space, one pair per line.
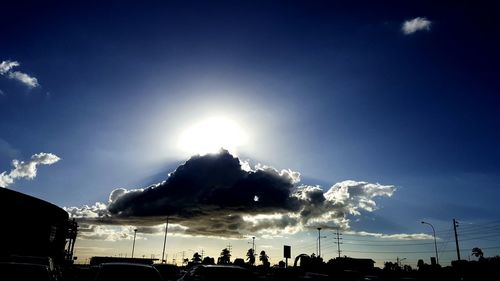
33,227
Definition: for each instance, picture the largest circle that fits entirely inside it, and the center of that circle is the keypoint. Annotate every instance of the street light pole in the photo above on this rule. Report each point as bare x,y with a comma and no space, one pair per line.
164,243
133,244
319,241
435,244
253,244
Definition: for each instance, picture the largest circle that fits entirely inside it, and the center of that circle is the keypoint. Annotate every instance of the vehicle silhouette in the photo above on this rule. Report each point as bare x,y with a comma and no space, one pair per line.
12,271
218,273
127,272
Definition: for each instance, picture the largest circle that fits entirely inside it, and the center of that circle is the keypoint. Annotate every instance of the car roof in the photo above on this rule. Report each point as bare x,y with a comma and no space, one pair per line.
165,265
125,264
221,266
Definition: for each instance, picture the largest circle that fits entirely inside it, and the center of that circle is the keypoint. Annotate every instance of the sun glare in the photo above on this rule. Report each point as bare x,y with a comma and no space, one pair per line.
210,135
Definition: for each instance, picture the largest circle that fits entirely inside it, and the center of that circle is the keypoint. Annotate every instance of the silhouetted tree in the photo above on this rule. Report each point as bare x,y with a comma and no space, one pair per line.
420,264
196,258
264,259
225,257
478,253
239,262
250,257
208,260
391,266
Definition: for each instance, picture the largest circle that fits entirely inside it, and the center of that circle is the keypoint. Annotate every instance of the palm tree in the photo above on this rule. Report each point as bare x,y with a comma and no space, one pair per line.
264,259
196,258
250,257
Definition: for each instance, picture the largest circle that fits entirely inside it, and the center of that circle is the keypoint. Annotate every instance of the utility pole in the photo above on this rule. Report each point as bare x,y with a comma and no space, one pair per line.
455,224
338,241
202,253
133,244
164,243
435,244
319,242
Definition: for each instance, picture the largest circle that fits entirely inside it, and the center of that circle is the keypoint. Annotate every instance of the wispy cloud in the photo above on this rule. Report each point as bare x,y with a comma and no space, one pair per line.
27,169
6,70
399,236
416,24
214,195
24,78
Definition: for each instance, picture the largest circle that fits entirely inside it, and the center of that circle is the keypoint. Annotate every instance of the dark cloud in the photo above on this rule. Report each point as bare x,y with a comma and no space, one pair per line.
213,195
211,182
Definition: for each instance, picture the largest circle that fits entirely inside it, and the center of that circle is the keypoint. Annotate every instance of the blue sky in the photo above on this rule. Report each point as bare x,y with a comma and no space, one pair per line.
334,91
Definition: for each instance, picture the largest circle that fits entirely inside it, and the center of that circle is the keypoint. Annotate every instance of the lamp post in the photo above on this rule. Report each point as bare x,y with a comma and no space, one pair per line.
435,244
164,244
133,244
253,244
319,242
398,261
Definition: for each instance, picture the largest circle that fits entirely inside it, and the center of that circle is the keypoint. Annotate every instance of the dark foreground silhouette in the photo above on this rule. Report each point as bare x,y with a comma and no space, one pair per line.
37,241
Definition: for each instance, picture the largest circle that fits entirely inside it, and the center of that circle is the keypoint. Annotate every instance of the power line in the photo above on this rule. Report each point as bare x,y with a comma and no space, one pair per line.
410,252
386,240
390,245
479,237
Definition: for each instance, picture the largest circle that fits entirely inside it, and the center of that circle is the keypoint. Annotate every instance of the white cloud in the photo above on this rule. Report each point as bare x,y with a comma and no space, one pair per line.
399,236
107,233
95,211
27,169
416,24
6,66
125,232
6,70
24,78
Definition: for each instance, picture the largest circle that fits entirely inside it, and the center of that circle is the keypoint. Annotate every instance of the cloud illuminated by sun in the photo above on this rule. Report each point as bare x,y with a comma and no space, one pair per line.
212,134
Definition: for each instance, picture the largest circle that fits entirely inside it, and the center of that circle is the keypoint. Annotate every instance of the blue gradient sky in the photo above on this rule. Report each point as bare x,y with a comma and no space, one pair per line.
334,91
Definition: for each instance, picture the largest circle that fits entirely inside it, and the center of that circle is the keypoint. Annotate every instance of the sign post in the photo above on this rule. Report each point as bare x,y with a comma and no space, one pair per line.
287,253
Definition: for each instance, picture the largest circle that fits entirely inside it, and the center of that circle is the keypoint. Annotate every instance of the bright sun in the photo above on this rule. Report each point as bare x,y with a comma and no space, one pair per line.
210,135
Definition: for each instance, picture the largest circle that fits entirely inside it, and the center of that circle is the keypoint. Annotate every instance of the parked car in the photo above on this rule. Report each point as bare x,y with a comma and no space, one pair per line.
218,273
40,260
12,271
126,272
169,272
